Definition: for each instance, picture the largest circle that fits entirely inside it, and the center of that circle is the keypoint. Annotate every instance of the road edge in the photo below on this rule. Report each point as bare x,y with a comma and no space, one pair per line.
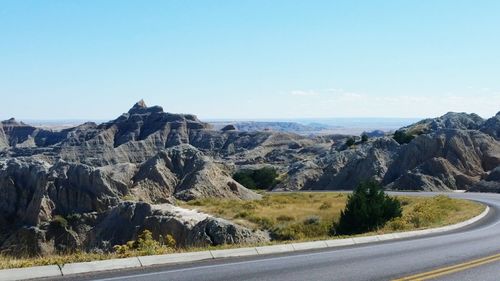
144,261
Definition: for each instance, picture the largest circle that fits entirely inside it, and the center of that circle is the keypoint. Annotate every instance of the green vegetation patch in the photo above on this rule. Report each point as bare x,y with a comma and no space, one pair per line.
368,208
402,137
264,178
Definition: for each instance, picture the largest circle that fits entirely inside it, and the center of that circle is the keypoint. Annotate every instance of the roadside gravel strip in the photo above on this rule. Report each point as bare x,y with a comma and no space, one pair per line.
135,262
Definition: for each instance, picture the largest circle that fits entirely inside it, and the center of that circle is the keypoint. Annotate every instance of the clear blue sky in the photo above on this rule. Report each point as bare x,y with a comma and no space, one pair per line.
249,59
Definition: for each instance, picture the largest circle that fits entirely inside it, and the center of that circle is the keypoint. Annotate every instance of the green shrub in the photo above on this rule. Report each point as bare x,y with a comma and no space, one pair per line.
146,245
168,241
350,142
364,138
367,209
264,178
312,220
74,218
59,221
402,137
245,178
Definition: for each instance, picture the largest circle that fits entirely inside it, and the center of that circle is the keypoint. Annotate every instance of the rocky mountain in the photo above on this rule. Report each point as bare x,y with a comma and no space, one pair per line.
492,126
455,151
451,120
107,182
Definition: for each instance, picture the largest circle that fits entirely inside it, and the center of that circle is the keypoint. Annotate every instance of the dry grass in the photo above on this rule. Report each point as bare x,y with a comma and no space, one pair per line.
274,206
420,213
13,262
309,215
290,217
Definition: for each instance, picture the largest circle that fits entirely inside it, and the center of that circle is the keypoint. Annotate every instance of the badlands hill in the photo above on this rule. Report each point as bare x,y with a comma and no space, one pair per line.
112,180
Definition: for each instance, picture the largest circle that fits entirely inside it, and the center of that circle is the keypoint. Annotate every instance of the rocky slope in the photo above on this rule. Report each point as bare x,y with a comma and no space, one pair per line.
110,181
455,151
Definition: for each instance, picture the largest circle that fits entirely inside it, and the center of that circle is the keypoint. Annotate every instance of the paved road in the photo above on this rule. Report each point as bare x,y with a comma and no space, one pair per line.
378,261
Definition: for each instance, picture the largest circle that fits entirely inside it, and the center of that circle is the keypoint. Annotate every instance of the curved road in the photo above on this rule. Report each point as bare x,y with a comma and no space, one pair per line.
422,257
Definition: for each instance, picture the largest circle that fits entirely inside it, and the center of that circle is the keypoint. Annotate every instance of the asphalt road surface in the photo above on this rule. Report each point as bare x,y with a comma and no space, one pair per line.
466,254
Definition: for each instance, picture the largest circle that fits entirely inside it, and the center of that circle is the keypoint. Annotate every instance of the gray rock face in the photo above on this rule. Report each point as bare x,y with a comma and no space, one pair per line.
187,174
447,159
229,127
189,228
4,143
346,169
491,183
451,120
492,126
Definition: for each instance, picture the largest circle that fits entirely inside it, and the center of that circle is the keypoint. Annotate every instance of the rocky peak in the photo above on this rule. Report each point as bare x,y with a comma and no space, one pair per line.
492,126
451,120
12,122
462,121
141,122
140,107
140,104
229,127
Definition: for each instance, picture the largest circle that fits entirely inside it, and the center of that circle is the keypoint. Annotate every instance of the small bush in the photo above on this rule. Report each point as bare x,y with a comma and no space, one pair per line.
311,220
367,209
74,218
364,138
169,241
245,178
402,137
264,178
350,142
145,245
59,221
